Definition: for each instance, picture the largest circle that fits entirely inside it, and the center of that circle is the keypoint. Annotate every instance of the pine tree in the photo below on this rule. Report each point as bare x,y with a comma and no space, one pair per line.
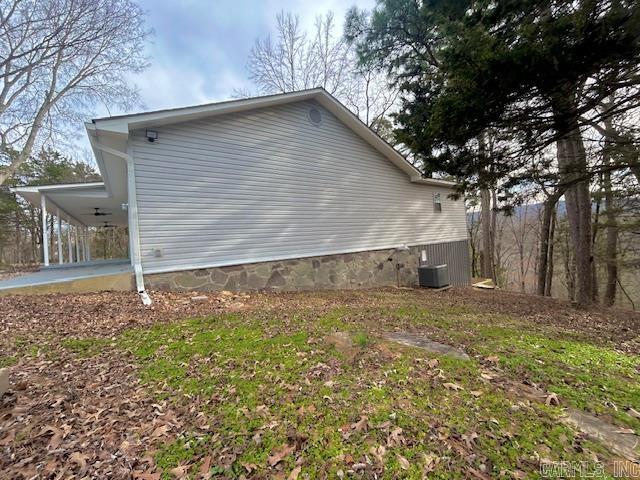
531,69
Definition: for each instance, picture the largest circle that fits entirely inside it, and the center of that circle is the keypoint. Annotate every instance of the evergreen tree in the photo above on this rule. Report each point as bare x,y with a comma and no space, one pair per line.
530,69
20,222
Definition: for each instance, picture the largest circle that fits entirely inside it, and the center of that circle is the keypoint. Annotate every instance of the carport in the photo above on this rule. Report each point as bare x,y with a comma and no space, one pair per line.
76,208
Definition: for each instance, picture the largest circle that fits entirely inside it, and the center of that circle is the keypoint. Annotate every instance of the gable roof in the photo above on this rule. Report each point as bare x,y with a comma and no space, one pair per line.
121,125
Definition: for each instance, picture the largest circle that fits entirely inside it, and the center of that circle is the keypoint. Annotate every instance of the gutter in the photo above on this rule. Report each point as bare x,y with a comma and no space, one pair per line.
436,182
132,212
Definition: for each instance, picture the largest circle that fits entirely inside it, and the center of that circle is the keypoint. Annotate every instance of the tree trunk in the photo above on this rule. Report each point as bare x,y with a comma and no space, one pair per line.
571,284
472,227
572,163
36,235
522,273
569,271
611,248
52,247
18,239
594,237
26,150
549,279
494,245
631,154
474,267
546,241
485,221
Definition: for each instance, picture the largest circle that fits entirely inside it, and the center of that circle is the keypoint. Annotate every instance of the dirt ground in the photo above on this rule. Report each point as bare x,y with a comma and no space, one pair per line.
108,313
73,415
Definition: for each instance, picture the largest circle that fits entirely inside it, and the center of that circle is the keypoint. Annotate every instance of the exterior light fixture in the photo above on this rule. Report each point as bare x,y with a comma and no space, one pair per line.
152,136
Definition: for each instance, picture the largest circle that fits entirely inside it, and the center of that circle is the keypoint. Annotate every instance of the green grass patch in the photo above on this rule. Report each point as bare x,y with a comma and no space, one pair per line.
86,347
268,381
7,361
361,339
588,375
338,319
24,348
179,452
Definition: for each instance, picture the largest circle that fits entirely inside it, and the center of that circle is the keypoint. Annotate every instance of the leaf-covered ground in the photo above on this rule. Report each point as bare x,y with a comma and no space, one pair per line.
257,387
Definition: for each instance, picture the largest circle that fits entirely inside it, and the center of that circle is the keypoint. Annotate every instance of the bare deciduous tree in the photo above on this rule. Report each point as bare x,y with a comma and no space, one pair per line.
522,236
295,60
58,58
546,239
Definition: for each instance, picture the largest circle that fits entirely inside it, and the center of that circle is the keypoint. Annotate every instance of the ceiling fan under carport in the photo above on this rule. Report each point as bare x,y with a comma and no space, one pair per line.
98,213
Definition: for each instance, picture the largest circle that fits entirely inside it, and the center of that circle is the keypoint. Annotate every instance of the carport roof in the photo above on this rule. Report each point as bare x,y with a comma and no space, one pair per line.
77,202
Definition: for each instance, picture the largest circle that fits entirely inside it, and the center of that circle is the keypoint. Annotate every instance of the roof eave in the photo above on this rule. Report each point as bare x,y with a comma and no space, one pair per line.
436,182
125,123
122,125
56,187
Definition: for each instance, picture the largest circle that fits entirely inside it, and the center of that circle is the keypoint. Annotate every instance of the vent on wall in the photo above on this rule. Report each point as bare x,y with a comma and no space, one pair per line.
315,116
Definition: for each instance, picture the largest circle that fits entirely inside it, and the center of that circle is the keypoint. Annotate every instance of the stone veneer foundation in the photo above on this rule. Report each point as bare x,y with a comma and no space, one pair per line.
350,270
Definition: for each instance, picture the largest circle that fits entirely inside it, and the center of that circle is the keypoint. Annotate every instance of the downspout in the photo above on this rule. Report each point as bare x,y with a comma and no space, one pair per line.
132,213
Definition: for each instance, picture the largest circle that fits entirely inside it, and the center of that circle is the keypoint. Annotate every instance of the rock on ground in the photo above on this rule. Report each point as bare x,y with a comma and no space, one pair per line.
405,338
4,380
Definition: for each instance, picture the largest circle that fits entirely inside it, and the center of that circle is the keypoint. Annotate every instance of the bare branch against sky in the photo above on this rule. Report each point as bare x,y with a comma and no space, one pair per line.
296,59
58,59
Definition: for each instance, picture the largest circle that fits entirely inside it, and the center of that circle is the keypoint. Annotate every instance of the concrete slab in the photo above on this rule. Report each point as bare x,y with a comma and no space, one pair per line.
425,343
620,441
74,278
613,437
91,263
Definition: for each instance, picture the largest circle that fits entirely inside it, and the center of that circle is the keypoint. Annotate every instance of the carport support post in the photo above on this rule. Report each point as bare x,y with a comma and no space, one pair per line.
88,244
45,233
69,241
75,234
81,253
59,234
84,243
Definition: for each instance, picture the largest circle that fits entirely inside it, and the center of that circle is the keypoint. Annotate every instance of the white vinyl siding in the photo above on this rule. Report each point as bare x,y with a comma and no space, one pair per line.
268,184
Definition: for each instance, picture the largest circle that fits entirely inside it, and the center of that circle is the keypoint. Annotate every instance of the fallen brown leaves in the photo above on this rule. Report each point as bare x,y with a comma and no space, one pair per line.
82,417
603,324
68,416
279,454
103,314
89,417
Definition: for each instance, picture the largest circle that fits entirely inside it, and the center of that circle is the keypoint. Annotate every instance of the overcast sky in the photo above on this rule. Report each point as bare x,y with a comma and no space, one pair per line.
200,47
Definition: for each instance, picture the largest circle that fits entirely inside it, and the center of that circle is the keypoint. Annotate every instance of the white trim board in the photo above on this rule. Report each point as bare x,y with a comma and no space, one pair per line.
56,187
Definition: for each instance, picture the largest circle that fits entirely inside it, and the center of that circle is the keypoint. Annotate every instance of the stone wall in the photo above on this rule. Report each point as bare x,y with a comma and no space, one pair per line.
350,270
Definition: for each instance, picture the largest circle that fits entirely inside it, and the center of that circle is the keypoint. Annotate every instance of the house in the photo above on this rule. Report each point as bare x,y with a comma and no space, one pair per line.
288,191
